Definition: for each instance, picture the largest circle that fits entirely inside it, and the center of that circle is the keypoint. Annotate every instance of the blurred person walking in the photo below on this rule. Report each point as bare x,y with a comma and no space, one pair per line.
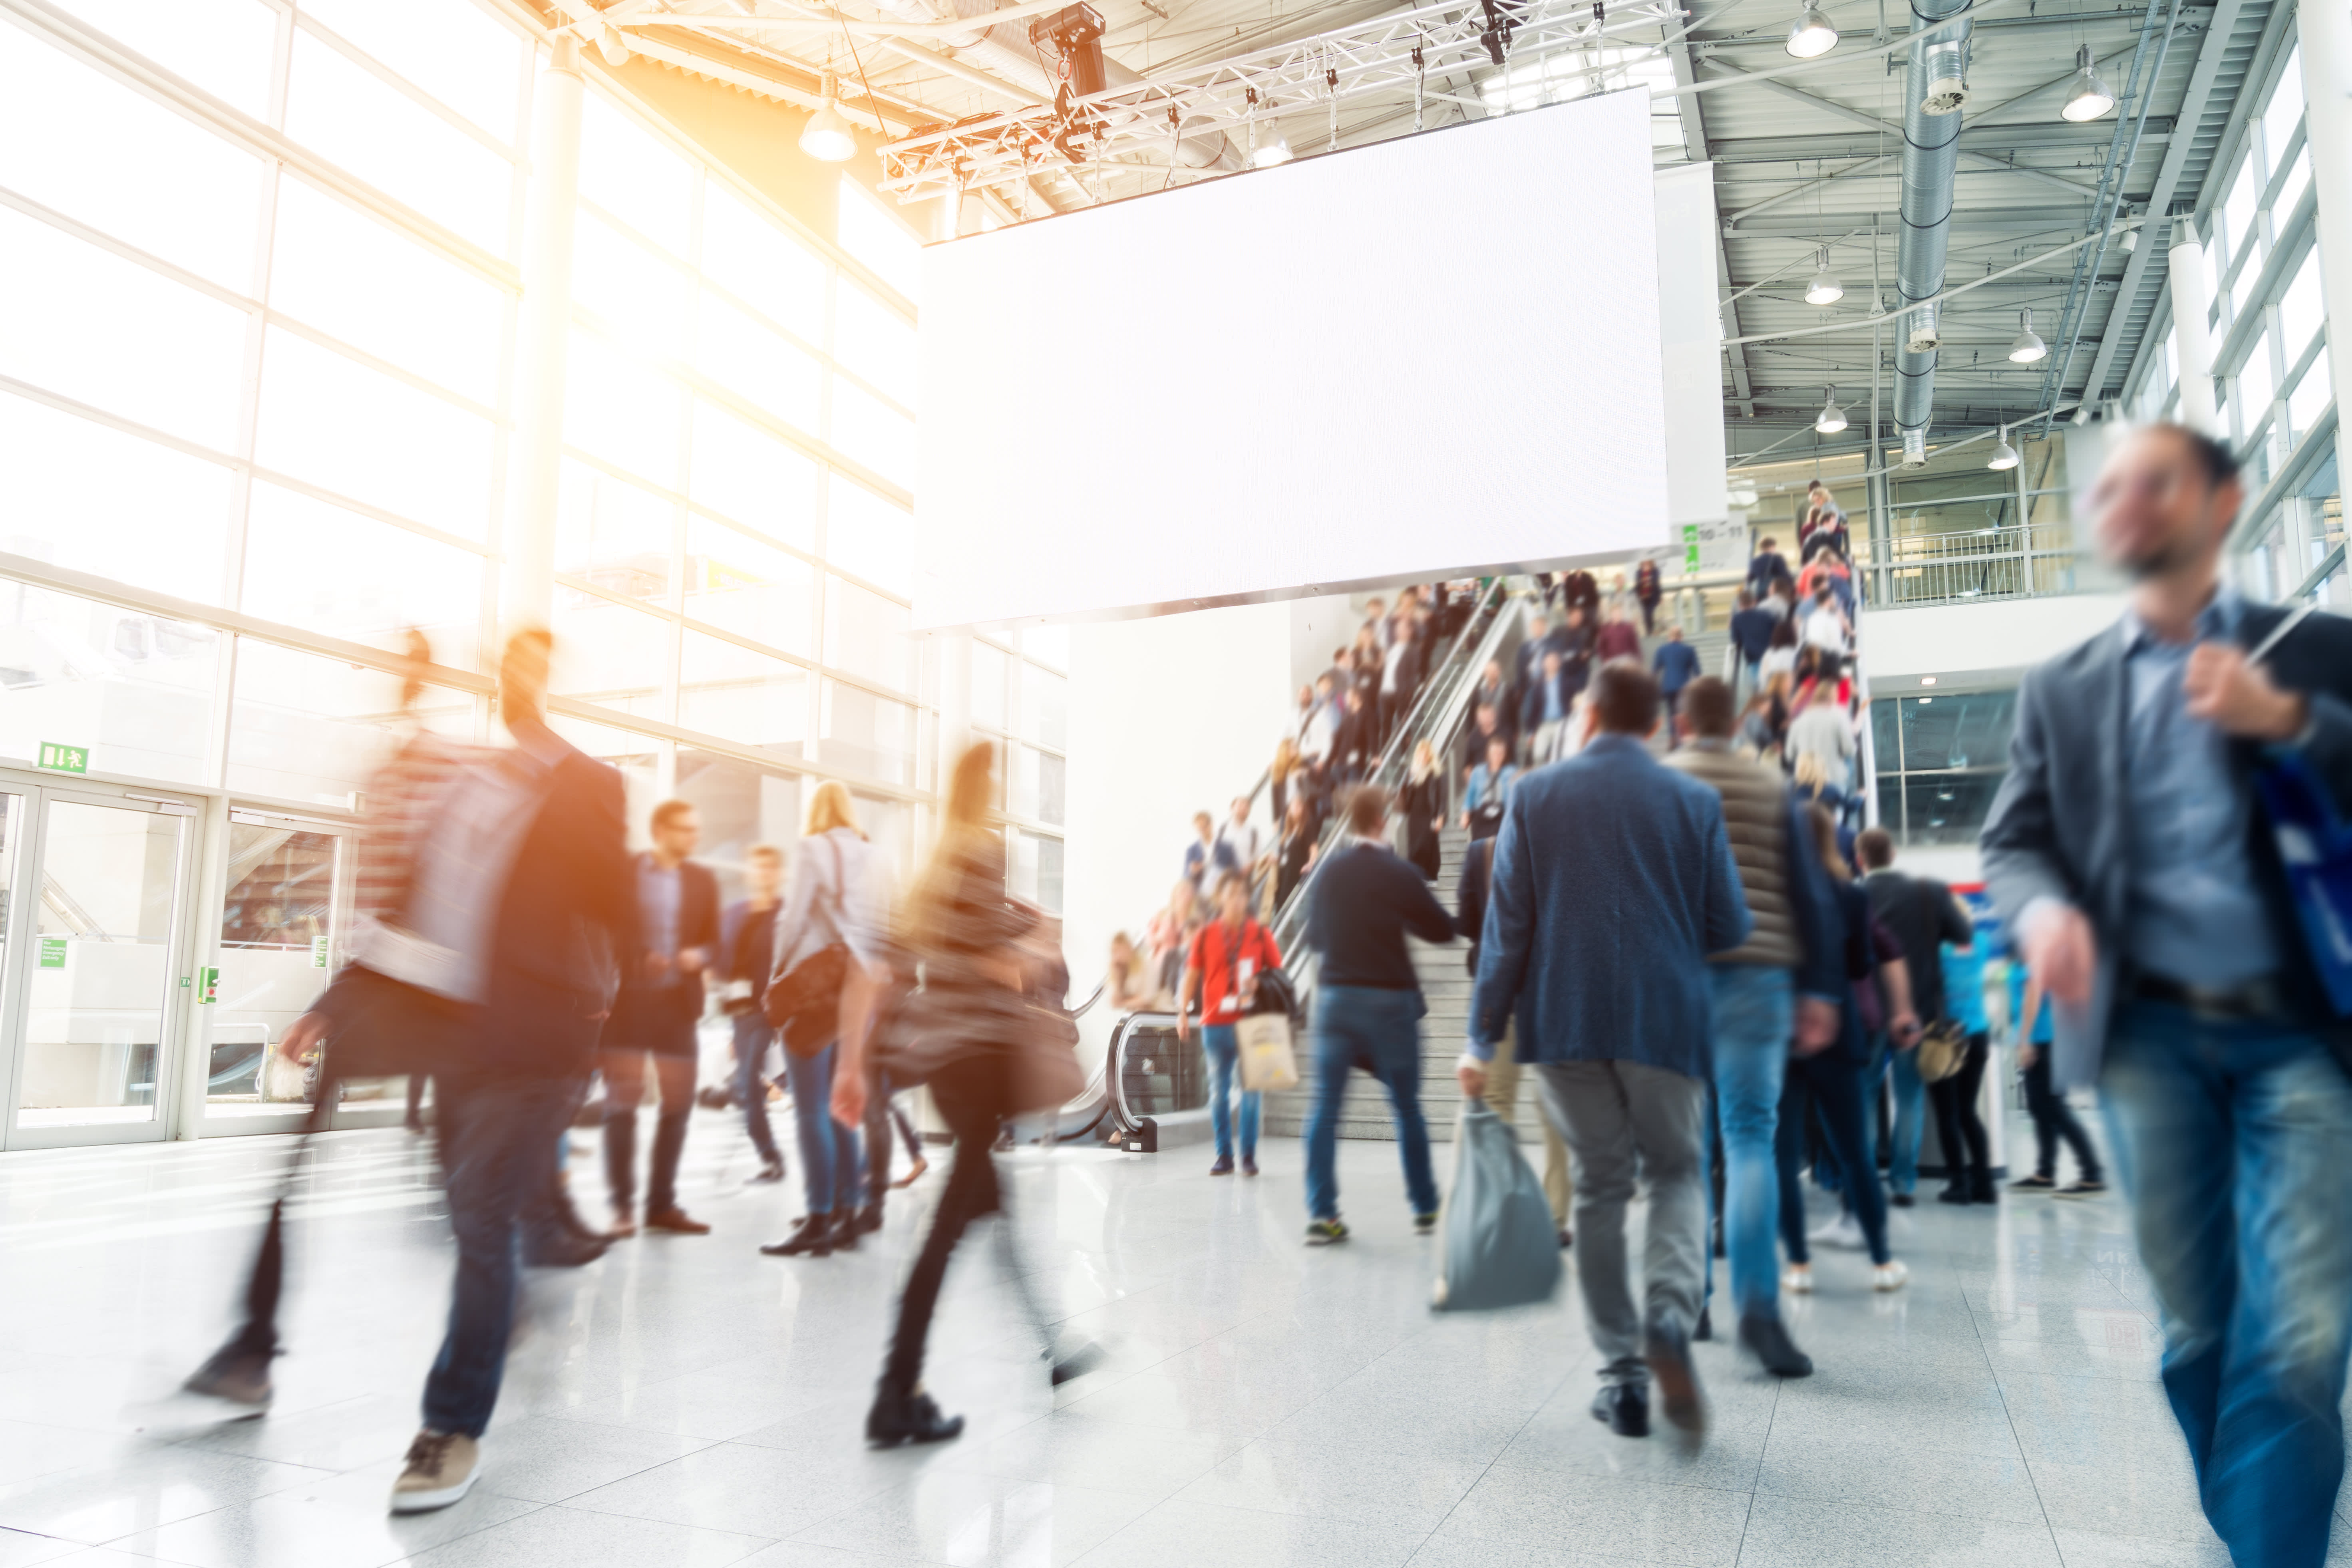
654,1027
523,892
1618,1021
1647,592
1784,984
1368,1006
1200,854
2053,1119
1676,664
1504,1073
1751,635
1221,973
1923,915
1616,639
1489,790
1400,675
1546,710
1766,565
1821,729
747,934
968,935
833,897
2129,855
1831,1076
1957,1123
1296,854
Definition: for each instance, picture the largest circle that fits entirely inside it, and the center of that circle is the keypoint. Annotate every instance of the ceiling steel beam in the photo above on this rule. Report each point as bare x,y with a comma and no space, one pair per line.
1693,116
2025,221
1843,144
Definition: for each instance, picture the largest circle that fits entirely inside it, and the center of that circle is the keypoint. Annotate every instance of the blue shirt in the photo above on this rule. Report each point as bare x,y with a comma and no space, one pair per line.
658,899
1554,709
1480,781
1676,663
2042,1031
2196,914
1964,987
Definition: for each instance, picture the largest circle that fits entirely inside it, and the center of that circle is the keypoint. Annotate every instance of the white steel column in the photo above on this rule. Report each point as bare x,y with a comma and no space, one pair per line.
2191,334
2327,40
535,453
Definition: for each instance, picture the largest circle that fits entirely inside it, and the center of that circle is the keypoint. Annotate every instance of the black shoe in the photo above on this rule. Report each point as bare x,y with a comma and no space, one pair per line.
1705,1329
814,1236
1901,1200
1249,1164
1224,1166
559,1247
1981,1190
899,1418
1958,1192
568,1216
1077,1363
1624,1408
845,1230
869,1218
1769,1339
1667,1349
1567,1239
237,1376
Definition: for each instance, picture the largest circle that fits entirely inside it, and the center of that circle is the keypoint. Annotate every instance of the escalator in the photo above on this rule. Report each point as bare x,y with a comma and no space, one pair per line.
1142,1070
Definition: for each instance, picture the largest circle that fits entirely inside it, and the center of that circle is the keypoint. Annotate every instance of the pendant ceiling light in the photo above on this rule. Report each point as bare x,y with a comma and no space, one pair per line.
2028,346
2089,98
613,47
2004,456
1811,34
1825,289
1832,418
1274,149
827,138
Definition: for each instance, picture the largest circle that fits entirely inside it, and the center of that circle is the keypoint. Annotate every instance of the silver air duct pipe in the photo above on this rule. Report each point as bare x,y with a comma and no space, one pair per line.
1934,89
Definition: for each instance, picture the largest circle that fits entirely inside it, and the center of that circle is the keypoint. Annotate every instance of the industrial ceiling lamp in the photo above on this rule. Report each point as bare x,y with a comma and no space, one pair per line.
613,47
2004,456
1825,289
1274,149
1811,34
1832,418
2029,346
827,137
2090,97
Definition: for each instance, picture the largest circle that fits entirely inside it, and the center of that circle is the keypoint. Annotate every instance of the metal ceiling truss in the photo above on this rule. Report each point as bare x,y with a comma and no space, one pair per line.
1390,58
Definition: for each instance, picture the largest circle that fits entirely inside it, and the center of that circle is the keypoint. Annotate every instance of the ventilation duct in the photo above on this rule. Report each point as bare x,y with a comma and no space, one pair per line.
1932,92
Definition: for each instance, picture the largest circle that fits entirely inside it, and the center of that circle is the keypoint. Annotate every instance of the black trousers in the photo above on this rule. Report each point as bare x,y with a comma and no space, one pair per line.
1967,1154
2054,1119
971,1095
1832,1082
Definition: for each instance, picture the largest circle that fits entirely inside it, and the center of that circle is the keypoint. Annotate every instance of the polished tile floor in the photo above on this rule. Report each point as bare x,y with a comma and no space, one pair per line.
686,1401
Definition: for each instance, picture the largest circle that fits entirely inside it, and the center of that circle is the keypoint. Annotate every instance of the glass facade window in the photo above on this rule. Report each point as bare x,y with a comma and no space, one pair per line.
1939,760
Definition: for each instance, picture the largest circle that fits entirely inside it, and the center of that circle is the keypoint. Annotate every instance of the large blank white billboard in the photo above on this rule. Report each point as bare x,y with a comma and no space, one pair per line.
1429,355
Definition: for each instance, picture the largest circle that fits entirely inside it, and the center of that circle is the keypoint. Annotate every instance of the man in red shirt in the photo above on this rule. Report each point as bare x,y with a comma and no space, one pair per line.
1221,972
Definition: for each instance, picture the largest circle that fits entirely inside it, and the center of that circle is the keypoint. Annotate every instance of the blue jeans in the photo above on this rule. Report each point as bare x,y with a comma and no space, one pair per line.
495,1139
753,1035
1223,1048
1910,1110
1753,1017
1379,1031
829,1152
2229,1138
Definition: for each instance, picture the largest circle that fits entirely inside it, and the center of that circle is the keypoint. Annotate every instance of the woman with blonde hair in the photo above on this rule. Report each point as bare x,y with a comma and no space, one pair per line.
1422,802
833,894
968,935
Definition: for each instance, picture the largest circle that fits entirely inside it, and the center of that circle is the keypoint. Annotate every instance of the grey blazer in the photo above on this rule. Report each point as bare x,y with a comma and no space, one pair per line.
2058,826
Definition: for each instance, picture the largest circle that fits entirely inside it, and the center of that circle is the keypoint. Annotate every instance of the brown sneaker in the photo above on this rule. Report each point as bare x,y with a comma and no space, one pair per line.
240,1377
624,1224
440,1469
676,1220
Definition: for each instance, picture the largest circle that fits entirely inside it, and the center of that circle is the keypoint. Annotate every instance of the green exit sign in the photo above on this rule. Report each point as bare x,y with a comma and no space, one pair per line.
60,759
53,952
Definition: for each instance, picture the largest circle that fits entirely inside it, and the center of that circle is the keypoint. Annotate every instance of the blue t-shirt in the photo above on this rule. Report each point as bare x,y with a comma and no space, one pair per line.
1964,988
2044,1030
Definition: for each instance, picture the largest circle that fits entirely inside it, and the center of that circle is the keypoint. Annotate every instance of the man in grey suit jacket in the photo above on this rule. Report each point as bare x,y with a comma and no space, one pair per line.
2131,858
1613,880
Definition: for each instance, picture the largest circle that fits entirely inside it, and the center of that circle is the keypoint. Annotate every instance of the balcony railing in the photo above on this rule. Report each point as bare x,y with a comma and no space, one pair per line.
2036,560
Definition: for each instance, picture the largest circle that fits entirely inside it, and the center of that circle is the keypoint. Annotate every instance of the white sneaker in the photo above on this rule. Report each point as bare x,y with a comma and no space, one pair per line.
1797,1279
440,1469
1889,1276
1844,1231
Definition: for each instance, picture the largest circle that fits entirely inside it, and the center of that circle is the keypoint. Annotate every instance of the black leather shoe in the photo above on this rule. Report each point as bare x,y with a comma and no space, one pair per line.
869,1218
899,1418
1705,1329
845,1230
1077,1363
1768,1338
1958,1192
1901,1200
1667,1349
1624,1408
813,1237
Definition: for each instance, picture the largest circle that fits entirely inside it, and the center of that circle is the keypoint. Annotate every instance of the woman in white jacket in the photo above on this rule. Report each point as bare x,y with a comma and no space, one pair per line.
833,892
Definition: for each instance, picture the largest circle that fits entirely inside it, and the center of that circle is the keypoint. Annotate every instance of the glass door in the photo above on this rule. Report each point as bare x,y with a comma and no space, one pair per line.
285,920
98,995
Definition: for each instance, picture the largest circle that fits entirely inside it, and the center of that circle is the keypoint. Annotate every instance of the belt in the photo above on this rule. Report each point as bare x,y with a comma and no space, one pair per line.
2256,1000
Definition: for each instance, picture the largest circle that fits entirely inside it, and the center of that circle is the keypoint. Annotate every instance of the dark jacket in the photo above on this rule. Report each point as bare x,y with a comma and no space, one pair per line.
1923,915
1676,663
1613,883
1421,804
1751,631
1360,903
1474,743
1410,662
2059,827
1531,704
568,915
1764,567
697,926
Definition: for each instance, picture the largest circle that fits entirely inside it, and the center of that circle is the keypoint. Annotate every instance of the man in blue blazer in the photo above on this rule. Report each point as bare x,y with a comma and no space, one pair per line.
2141,880
1613,881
